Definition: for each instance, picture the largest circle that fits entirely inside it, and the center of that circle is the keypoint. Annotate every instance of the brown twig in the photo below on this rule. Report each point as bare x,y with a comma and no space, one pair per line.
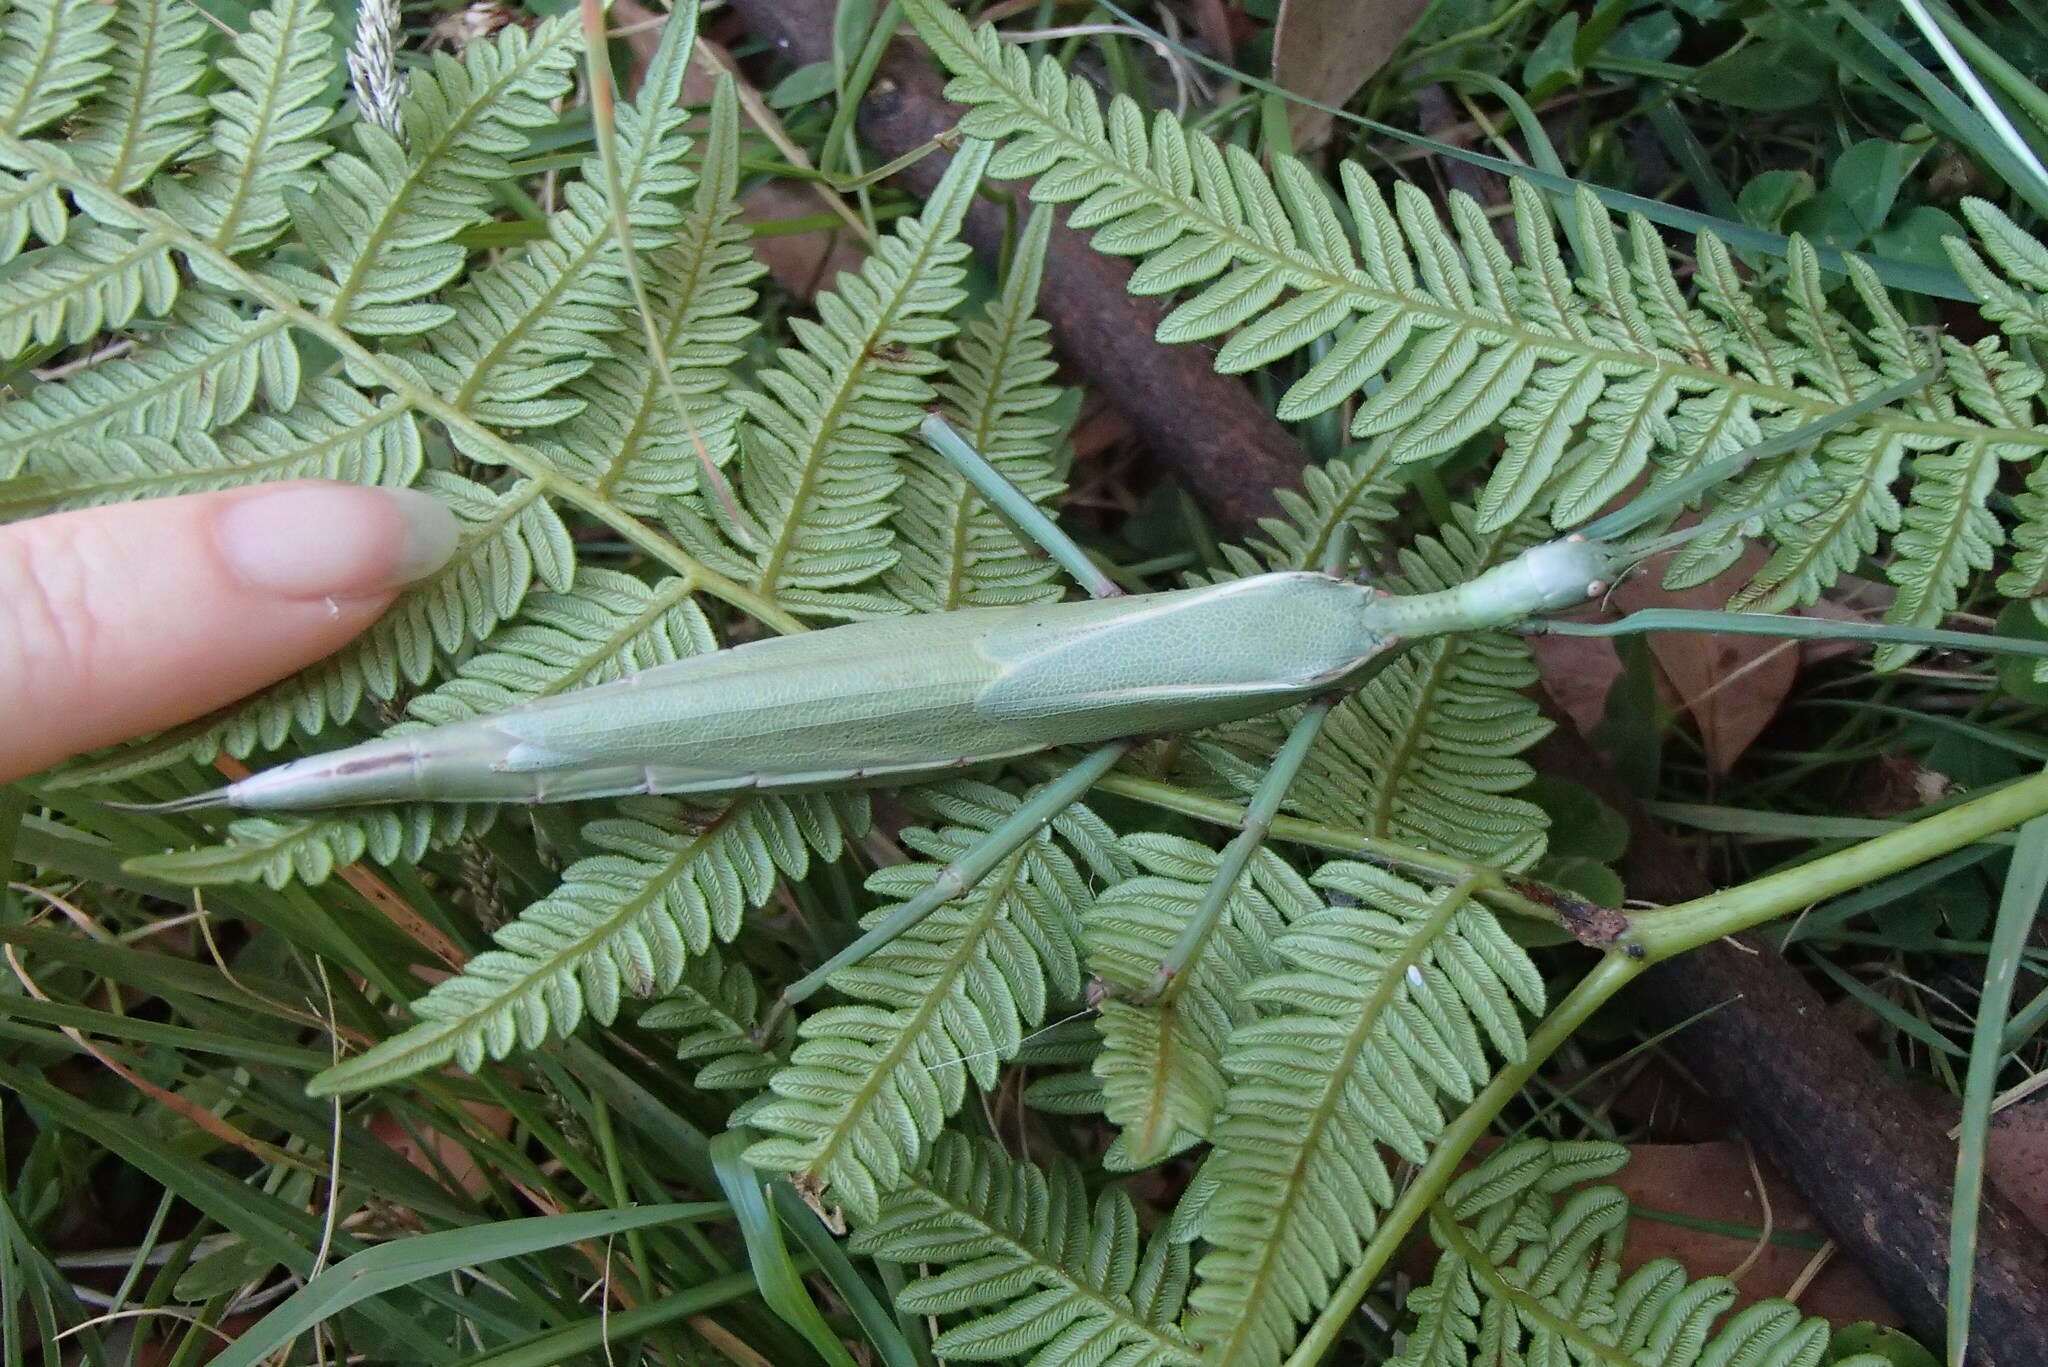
1208,428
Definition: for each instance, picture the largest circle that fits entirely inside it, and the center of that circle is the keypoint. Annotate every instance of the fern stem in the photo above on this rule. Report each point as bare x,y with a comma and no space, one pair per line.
223,266
1656,936
1490,885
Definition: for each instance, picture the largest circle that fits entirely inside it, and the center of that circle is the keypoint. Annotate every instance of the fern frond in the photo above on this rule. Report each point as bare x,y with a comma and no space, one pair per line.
334,432
623,922
628,442
51,54
202,371
1339,504
871,1083
1508,1196
605,626
2029,573
956,552
380,221
823,434
1589,379
146,112
1161,1064
2014,288
524,328
265,129
1949,530
715,1010
1029,1268
1530,1273
1385,1013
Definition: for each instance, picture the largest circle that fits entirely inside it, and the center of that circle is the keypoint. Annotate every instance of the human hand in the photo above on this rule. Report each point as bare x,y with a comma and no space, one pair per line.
119,621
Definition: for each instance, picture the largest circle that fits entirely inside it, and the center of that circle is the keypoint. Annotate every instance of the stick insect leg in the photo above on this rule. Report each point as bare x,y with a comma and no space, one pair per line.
960,876
1257,821
1007,499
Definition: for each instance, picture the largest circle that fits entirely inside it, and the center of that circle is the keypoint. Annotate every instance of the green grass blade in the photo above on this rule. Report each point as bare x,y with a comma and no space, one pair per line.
883,1326
389,1266
270,1226
1794,628
567,1343
1969,125
2025,882
781,1285
2033,181
112,1025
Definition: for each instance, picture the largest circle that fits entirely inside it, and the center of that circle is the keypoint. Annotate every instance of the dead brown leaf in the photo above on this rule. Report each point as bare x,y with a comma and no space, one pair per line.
1732,685
1212,21
2017,1157
1713,1182
1577,672
1326,49
802,263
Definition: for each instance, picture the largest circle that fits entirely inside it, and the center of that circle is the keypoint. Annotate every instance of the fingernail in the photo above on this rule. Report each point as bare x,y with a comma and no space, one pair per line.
334,540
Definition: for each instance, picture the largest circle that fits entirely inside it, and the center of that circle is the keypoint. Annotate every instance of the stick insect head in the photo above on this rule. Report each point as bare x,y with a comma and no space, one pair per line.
1569,571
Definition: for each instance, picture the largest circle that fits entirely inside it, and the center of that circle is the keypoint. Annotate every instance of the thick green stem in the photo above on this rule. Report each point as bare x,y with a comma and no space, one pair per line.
1654,937
1673,930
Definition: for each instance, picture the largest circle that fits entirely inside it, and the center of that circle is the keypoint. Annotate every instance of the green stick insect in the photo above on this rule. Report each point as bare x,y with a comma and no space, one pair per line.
897,699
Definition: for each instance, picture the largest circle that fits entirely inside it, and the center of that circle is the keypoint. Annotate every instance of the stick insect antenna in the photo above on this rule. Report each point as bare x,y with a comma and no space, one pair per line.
1676,495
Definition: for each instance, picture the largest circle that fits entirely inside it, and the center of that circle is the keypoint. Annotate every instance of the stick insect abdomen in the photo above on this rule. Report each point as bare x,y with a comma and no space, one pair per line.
876,700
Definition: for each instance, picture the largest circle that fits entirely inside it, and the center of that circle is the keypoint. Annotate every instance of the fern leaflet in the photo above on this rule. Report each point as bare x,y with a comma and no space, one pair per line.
628,441
263,136
1161,1064
1529,1274
871,1083
1030,1267
146,113
716,1009
956,552
1382,1012
623,922
823,434
380,222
